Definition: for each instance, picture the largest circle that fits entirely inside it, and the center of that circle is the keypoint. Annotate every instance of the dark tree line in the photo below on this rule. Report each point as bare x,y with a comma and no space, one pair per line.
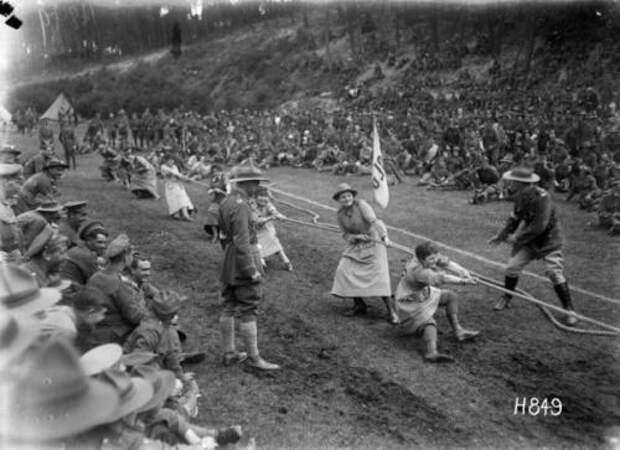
89,31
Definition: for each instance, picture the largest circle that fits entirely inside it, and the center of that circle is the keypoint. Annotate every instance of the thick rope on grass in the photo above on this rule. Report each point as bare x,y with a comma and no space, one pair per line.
485,281
448,247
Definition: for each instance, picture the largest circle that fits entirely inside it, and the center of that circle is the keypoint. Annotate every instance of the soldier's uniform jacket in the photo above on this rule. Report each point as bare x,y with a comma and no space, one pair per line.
70,233
116,436
157,337
534,222
79,266
124,310
241,256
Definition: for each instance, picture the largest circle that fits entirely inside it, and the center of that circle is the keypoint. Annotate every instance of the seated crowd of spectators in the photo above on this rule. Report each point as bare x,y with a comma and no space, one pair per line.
91,353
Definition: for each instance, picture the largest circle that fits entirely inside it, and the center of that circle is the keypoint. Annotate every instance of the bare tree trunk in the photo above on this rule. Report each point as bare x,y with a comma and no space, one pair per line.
327,34
533,31
351,17
304,12
395,11
435,27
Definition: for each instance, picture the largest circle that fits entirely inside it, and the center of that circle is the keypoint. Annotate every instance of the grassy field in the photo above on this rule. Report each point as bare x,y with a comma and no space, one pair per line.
356,382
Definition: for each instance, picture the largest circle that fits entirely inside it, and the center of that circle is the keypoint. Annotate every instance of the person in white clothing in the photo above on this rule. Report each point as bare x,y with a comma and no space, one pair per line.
179,204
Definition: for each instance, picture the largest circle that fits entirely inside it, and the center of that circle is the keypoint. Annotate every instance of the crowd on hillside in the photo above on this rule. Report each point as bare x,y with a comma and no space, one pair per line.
571,140
91,354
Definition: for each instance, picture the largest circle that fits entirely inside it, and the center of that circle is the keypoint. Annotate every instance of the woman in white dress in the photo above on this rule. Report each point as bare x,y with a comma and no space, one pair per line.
179,204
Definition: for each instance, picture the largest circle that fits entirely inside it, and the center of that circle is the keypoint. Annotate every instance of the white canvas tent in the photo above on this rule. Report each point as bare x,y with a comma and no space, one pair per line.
60,105
5,116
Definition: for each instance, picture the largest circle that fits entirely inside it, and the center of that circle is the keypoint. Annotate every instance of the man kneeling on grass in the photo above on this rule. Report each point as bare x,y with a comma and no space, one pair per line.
418,297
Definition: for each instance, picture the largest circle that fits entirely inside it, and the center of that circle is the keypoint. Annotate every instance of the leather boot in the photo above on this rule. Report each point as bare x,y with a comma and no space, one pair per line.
359,308
563,293
227,334
249,333
510,283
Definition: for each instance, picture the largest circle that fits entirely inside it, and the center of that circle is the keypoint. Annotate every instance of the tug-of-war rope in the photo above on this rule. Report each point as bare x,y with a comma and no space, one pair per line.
609,330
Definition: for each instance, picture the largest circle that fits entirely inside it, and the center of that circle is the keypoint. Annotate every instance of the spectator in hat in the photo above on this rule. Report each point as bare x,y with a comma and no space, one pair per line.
40,187
50,211
125,310
10,233
363,269
18,336
20,294
49,399
609,209
167,424
534,232
81,262
35,231
75,215
9,154
582,184
88,305
418,296
157,333
36,163
44,254
241,272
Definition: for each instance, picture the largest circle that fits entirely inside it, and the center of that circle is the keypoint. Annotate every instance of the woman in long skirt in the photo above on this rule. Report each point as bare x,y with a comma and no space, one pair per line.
363,268
179,204
144,179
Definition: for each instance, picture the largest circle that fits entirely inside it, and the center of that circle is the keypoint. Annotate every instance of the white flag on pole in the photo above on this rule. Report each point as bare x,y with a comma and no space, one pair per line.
379,178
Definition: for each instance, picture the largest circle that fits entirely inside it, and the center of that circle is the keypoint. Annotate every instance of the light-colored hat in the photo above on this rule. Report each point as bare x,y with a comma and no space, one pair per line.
118,245
342,188
54,398
521,174
15,337
134,392
101,358
20,294
55,163
49,207
37,232
507,158
9,170
163,382
10,149
239,174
